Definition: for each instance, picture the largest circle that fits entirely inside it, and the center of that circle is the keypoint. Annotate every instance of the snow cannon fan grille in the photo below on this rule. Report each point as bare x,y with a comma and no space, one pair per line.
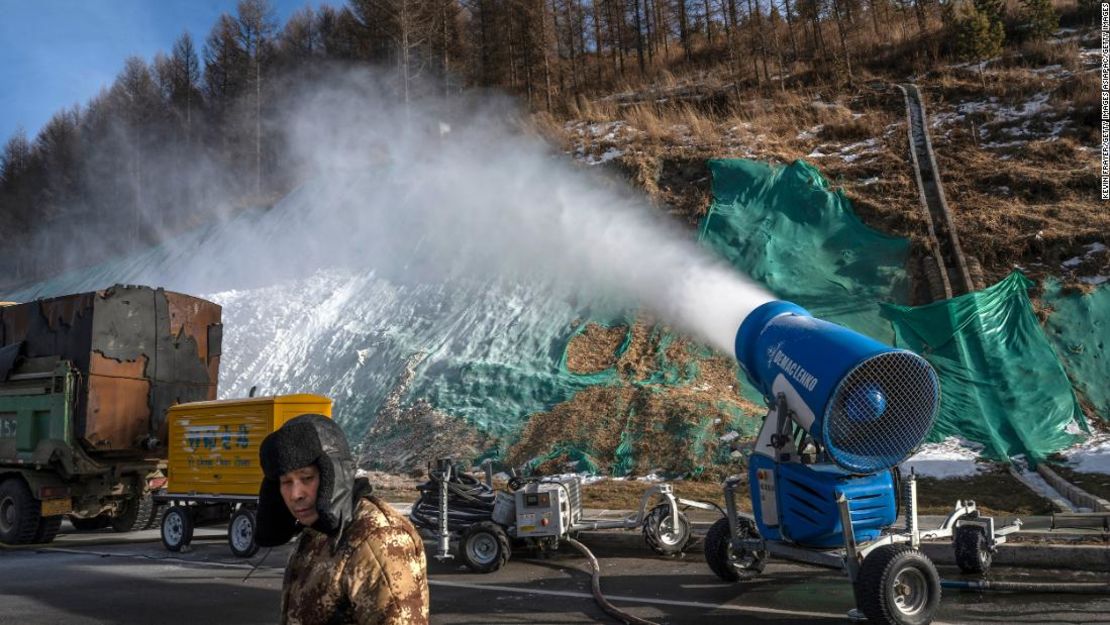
881,411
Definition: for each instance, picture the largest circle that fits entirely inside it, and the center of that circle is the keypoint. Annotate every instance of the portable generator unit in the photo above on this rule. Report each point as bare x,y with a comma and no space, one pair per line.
843,411
534,512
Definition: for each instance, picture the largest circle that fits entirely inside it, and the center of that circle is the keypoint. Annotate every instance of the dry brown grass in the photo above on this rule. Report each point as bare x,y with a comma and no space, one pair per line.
996,493
1037,206
1082,93
595,348
644,118
1097,484
674,428
1036,54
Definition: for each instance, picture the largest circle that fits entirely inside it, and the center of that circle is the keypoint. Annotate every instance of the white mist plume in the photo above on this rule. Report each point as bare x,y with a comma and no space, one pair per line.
407,197
452,192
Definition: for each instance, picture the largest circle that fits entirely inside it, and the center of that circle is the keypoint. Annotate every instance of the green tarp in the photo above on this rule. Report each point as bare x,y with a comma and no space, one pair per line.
1001,383
784,227
1079,328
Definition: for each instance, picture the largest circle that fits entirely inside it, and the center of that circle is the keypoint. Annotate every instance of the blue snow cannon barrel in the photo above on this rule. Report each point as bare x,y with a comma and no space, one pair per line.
868,404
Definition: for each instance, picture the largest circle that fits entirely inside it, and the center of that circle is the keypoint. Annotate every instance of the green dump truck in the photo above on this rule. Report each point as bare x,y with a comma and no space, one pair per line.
85,383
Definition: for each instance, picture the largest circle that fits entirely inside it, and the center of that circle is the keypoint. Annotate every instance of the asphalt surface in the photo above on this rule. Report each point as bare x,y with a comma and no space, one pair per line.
94,578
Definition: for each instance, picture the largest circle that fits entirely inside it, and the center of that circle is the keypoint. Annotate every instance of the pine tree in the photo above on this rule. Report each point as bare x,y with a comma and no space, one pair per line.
1039,19
994,10
976,37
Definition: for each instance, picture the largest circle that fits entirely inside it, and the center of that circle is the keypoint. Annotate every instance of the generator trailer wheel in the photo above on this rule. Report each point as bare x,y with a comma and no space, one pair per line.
241,532
177,528
484,547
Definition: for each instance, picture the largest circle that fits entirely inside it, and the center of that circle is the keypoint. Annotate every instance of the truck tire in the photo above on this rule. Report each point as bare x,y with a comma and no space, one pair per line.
241,533
48,529
134,515
155,519
177,528
20,512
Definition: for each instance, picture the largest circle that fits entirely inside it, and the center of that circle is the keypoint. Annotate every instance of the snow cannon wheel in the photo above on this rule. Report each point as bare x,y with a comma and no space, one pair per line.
898,585
240,533
728,563
973,553
484,547
177,528
661,535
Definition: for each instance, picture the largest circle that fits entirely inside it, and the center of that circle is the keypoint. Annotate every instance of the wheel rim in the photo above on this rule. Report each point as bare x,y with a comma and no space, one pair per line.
911,591
667,532
482,548
174,528
7,514
743,559
242,533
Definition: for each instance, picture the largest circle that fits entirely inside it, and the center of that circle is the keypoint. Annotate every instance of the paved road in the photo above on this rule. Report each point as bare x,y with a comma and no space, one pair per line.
76,582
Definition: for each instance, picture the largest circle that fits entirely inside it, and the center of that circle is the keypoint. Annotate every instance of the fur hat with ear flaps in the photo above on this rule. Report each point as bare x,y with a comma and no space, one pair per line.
309,439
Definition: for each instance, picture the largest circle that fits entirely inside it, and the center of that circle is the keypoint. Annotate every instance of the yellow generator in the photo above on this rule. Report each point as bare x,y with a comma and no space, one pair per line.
213,470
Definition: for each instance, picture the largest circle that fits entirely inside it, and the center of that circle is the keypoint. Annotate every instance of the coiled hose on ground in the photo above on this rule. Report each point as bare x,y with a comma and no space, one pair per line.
609,608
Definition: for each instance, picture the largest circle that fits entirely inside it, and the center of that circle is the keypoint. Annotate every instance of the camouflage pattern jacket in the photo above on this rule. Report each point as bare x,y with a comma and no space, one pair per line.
377,575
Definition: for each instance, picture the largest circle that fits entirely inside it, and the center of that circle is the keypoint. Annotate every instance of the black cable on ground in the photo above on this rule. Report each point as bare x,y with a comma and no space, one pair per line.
609,608
1078,588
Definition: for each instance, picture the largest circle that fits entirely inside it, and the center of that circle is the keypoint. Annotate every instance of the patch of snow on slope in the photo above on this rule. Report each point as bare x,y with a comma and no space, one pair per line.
1090,456
952,457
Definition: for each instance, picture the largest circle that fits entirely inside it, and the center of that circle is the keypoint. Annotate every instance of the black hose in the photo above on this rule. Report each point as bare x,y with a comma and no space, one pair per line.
609,608
1078,588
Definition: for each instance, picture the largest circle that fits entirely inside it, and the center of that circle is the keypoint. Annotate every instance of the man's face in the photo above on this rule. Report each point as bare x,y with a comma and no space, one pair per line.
298,489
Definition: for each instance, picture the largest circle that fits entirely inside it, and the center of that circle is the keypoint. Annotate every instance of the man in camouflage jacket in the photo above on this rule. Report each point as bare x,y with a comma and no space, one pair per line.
357,560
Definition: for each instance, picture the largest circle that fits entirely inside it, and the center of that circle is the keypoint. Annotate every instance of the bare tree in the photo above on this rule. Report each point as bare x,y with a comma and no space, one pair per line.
404,27
178,78
257,26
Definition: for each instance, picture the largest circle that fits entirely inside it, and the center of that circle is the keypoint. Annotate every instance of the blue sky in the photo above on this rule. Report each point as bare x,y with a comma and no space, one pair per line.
57,53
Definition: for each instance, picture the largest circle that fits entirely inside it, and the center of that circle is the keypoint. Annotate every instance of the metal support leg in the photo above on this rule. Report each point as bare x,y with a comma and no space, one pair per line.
730,507
444,468
851,553
911,510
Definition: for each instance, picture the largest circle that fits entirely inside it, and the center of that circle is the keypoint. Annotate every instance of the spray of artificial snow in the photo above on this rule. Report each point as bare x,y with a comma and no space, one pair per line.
456,190
447,192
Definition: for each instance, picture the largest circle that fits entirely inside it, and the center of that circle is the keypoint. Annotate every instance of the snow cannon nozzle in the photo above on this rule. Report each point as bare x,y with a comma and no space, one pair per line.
867,404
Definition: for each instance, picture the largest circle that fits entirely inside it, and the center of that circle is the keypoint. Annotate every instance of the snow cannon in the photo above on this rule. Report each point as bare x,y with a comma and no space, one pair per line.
867,404
844,409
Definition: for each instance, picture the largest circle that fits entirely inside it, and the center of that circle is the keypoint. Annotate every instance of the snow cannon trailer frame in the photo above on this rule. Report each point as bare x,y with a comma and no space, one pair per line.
893,581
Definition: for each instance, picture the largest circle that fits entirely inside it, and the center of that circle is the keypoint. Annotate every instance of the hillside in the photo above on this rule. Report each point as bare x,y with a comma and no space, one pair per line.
341,266
1013,141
